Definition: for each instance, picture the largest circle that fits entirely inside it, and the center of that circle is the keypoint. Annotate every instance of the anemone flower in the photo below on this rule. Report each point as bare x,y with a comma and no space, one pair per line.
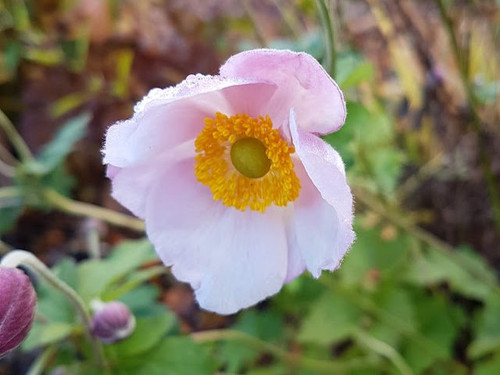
238,191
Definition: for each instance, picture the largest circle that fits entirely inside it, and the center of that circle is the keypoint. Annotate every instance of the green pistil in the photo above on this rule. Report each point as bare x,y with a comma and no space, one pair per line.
249,157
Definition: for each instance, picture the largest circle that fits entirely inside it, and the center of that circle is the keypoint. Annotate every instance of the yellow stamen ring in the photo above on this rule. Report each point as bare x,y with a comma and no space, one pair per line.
245,162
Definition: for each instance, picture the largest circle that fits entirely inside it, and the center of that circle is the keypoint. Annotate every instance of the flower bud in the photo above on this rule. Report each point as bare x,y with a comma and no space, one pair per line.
17,307
112,321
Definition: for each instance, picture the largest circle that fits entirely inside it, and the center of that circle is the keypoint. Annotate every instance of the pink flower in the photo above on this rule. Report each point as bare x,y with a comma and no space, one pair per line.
238,192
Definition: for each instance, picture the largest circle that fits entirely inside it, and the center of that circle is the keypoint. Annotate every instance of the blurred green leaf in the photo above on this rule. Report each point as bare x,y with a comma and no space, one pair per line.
395,301
9,216
267,326
61,145
372,253
142,300
96,275
332,319
42,334
148,333
52,304
487,328
439,322
436,267
489,366
173,356
352,69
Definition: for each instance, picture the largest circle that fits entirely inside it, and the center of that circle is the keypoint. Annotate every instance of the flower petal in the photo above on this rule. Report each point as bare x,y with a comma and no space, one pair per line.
322,220
303,84
251,263
232,259
174,115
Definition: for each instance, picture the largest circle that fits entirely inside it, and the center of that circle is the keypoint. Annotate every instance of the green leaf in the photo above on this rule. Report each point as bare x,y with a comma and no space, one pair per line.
435,268
47,333
371,253
142,300
173,356
267,326
332,319
352,69
52,304
9,217
56,150
148,333
439,322
96,275
490,366
396,302
487,329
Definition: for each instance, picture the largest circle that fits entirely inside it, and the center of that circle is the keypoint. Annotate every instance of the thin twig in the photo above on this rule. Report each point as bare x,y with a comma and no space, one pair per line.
15,138
89,210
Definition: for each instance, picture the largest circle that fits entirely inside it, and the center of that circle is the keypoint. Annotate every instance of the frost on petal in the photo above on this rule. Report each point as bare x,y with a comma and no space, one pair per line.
325,201
302,84
232,259
171,116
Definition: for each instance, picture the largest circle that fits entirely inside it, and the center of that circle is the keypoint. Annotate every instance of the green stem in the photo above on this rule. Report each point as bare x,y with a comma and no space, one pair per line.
326,21
385,350
484,159
20,257
295,360
10,192
89,210
15,138
42,361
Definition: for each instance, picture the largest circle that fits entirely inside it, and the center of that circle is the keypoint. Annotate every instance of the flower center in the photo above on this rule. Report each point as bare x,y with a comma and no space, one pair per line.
249,157
245,162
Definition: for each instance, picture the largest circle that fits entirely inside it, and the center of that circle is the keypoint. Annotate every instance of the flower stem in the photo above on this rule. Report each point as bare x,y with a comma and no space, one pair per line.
89,210
42,361
330,55
315,365
15,138
20,257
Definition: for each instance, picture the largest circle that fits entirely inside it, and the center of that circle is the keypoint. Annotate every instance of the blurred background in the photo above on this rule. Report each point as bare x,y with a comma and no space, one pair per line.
417,294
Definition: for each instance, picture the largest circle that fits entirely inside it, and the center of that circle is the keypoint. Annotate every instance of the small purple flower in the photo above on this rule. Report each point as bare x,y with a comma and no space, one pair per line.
17,307
112,322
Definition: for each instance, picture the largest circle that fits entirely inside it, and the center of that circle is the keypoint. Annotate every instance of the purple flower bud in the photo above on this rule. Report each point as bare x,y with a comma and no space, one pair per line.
17,307
112,322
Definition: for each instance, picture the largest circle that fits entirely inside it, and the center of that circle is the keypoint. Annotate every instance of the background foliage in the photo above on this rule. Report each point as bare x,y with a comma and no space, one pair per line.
417,294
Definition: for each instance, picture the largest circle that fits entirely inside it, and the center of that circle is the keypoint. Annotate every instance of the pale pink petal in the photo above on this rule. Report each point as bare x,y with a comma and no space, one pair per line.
302,83
161,121
131,185
232,259
250,264
323,214
314,230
